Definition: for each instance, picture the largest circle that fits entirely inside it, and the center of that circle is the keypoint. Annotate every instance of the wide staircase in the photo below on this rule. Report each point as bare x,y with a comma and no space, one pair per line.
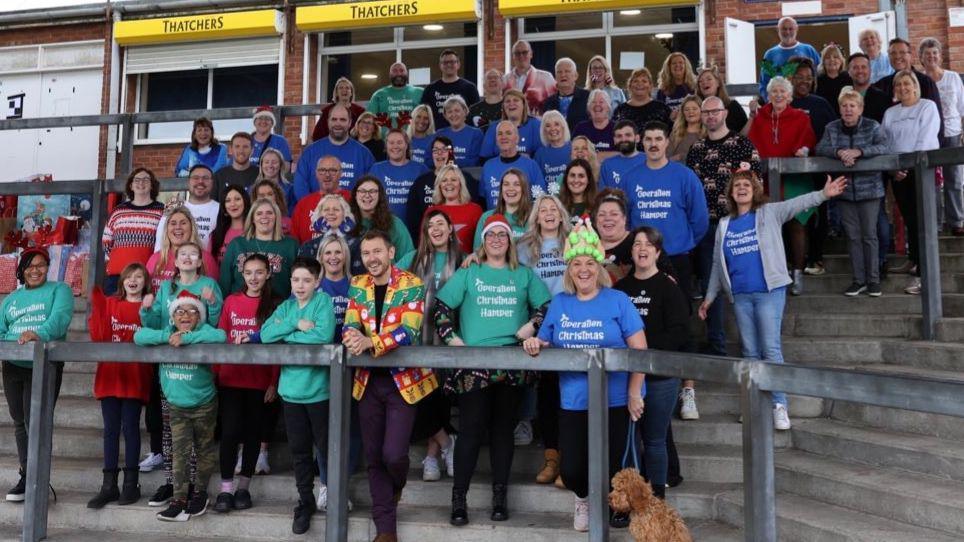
845,472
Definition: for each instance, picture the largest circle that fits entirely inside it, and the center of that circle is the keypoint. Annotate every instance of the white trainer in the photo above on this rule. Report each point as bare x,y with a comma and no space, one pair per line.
262,466
523,433
448,454
430,470
781,420
688,411
151,461
580,516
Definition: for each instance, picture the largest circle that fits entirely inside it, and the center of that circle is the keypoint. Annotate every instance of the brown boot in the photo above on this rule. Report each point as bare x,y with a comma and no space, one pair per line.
386,537
550,469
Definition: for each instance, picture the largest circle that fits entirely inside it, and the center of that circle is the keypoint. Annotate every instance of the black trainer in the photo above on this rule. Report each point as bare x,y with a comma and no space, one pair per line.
224,503
198,504
855,289
176,511
873,289
18,492
460,513
242,499
161,496
618,520
303,512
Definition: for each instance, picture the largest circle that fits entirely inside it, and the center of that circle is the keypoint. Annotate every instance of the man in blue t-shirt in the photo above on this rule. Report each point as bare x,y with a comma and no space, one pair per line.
626,142
355,158
507,138
779,54
669,197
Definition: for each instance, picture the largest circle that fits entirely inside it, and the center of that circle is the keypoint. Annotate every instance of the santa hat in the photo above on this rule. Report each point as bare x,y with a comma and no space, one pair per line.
266,112
584,241
186,298
496,220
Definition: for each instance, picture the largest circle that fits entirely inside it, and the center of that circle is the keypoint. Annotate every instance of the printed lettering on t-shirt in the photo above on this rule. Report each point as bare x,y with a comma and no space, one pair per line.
496,301
650,203
641,302
586,333
744,242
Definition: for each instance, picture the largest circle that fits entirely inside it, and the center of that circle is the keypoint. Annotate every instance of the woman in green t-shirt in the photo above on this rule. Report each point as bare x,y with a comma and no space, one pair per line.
492,302
262,235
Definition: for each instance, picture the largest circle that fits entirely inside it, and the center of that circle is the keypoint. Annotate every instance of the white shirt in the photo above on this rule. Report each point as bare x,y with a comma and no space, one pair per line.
205,216
912,128
952,102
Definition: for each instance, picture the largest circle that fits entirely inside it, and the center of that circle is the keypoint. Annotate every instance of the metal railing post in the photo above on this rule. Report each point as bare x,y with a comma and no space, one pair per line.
773,179
339,423
759,492
929,256
39,443
127,147
598,448
98,218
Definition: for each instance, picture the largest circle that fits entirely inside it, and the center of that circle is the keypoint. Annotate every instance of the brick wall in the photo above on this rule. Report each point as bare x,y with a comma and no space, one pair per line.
494,55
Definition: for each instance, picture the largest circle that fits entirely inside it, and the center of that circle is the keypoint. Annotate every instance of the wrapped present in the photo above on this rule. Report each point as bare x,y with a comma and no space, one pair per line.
7,226
75,275
65,232
8,272
59,256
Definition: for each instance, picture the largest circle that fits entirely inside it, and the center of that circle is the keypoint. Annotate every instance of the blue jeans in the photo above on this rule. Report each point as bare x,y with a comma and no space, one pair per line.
759,317
661,396
715,335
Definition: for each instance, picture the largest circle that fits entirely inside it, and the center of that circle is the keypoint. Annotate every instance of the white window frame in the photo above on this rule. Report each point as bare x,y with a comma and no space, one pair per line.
398,44
608,29
42,48
139,79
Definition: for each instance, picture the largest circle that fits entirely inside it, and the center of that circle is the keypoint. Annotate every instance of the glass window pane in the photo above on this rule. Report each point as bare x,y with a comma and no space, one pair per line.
172,91
364,36
428,58
655,50
545,53
560,23
652,16
439,31
243,86
368,71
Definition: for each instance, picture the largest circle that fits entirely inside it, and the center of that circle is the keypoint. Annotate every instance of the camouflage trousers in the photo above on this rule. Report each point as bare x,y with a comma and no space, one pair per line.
193,428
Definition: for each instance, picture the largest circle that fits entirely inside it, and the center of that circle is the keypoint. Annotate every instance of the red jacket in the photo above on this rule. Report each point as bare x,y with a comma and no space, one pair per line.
115,320
784,136
238,315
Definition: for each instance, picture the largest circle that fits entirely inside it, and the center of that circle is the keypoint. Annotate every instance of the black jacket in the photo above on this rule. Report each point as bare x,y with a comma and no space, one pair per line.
578,109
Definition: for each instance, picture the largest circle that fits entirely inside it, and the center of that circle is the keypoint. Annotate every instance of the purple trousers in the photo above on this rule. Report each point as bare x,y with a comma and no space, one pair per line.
386,424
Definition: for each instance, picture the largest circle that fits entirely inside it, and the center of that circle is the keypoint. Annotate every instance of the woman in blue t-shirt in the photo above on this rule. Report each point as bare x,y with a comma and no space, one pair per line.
556,149
590,314
203,149
750,267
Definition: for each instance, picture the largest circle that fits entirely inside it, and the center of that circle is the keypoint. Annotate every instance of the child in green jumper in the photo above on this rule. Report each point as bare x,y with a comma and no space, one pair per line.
307,318
192,397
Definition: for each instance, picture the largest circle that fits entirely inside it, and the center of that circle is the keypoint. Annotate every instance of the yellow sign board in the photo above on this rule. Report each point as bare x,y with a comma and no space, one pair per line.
209,26
523,8
383,13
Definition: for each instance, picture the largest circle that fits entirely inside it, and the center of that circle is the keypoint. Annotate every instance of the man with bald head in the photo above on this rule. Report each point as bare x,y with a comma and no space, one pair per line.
780,54
507,139
396,98
714,159
570,99
355,159
536,84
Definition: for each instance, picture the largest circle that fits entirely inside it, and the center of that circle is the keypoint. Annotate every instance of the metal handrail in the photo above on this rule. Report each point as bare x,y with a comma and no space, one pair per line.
756,380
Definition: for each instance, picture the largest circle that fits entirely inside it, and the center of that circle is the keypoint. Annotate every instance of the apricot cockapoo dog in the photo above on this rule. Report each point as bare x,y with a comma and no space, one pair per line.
650,519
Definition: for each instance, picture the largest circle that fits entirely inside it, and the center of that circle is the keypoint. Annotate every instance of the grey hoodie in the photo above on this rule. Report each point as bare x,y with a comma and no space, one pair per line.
769,229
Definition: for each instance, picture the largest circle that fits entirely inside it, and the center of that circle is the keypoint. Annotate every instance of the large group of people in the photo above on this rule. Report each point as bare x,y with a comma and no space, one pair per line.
599,215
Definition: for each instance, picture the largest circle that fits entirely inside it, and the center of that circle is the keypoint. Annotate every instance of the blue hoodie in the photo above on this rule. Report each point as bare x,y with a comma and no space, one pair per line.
613,169
670,199
398,181
355,160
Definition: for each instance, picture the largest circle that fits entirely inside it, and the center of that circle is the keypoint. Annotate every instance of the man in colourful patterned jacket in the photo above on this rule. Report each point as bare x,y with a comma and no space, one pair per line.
384,312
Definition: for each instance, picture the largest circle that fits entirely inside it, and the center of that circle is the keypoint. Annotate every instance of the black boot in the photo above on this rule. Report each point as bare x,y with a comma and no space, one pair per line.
460,513
500,508
108,491
659,490
131,490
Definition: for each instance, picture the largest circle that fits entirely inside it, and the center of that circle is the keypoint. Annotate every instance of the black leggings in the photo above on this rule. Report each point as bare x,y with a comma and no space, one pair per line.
905,192
548,408
121,416
432,414
494,409
17,382
307,428
242,414
574,446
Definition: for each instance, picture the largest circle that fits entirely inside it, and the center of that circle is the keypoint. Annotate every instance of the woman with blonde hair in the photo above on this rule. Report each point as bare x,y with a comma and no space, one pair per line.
262,234
687,129
515,108
344,94
452,197
583,149
600,76
366,131
641,108
676,81
421,134
556,149
274,168
709,82
179,228
832,74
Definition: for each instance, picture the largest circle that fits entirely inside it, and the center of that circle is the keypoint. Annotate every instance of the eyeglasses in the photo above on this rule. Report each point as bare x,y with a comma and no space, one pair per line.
37,267
520,53
141,180
498,235
368,192
712,111
441,150
327,170
186,312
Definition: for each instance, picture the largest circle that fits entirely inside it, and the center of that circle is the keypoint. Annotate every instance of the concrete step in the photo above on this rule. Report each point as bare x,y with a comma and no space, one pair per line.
942,356
831,351
840,263
950,330
917,499
841,323
836,283
946,243
916,453
800,519
898,420
887,304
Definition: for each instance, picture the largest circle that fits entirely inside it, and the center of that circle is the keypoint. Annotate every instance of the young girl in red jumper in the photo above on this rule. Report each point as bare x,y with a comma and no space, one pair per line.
122,388
245,390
